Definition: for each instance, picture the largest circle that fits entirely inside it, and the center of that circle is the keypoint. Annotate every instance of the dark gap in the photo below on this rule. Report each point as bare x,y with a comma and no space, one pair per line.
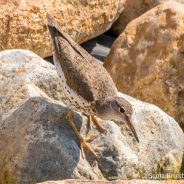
98,47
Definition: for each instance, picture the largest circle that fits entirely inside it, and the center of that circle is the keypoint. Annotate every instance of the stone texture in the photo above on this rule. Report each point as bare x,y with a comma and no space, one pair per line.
147,59
23,22
133,9
22,75
36,143
113,182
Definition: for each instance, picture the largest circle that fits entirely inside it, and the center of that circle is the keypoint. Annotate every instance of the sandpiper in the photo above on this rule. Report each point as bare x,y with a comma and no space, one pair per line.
86,84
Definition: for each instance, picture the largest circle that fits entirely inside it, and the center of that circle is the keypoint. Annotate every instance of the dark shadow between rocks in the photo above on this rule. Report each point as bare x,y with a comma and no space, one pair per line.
41,140
98,47
49,59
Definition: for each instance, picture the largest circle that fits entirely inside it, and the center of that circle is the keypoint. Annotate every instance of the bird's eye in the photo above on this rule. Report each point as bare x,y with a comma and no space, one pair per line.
121,110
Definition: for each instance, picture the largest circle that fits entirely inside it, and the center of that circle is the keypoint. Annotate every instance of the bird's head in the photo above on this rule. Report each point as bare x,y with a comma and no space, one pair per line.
117,109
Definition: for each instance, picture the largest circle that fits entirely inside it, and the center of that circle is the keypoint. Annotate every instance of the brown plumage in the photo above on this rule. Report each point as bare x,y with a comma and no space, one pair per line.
86,83
83,73
77,64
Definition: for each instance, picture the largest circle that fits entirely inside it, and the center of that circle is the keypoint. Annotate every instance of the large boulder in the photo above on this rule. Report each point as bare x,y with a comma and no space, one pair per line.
147,59
22,75
36,143
23,22
133,9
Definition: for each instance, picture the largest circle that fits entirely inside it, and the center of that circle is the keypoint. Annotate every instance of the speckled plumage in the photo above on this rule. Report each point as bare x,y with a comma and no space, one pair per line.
80,73
86,84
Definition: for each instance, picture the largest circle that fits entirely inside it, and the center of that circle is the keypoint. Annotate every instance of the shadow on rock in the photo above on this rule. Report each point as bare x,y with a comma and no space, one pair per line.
39,144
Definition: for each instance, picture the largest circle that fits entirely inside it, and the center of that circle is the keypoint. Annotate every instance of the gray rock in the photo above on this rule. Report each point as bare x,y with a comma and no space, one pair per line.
23,74
36,143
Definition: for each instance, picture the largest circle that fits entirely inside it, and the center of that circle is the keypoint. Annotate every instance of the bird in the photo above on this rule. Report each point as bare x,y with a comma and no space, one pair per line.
86,84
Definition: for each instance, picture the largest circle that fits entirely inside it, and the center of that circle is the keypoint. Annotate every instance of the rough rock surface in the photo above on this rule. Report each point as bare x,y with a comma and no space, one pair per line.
22,75
133,9
36,143
113,182
23,22
147,59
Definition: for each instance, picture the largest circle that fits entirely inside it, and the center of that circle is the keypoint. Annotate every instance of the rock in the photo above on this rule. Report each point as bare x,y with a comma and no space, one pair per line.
22,75
23,22
133,9
113,182
147,60
36,143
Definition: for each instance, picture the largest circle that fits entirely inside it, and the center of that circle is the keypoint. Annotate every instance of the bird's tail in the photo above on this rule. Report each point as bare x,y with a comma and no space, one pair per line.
56,30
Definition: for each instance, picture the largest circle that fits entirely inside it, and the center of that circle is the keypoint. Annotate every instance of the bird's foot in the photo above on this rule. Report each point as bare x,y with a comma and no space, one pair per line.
81,139
92,118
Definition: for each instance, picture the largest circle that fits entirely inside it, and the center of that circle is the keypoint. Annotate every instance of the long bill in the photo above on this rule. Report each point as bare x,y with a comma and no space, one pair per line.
130,125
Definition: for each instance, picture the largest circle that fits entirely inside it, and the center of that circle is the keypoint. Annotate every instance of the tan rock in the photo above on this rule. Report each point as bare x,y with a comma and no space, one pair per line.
36,143
133,9
112,182
23,26
147,60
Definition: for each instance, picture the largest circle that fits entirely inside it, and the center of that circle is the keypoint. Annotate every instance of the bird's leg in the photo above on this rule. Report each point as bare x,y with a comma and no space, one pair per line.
92,118
77,133
82,151
90,121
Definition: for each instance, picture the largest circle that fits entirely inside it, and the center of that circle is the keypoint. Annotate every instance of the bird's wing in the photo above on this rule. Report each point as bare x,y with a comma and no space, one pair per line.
83,73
